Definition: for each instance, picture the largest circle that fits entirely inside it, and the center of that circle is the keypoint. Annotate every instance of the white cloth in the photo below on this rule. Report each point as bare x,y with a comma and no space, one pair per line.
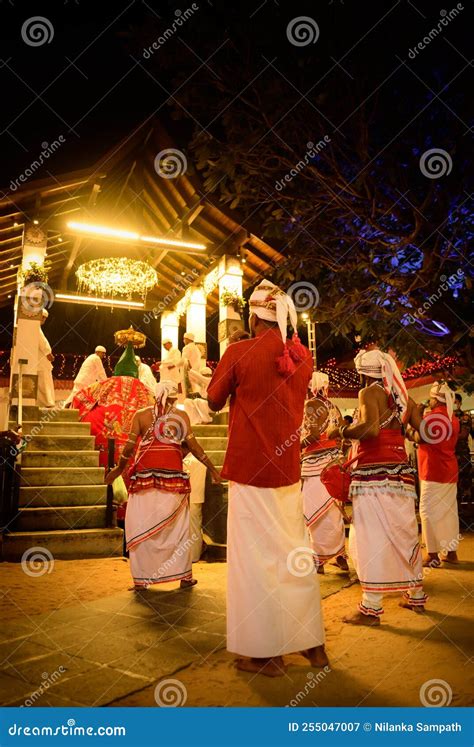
157,534
145,375
324,521
379,365
269,302
319,382
170,367
197,409
46,396
197,478
92,370
439,516
383,540
444,394
272,608
192,355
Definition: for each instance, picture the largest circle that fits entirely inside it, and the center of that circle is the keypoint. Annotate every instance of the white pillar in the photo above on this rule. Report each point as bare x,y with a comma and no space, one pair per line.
28,314
196,316
169,330
230,279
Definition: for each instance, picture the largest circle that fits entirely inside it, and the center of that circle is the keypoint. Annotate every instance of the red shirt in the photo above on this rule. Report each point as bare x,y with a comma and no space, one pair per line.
437,461
266,411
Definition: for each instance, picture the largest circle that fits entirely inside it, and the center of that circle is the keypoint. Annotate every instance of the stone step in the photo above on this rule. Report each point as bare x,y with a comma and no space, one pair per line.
45,413
31,476
211,443
52,458
64,544
52,428
61,443
210,430
61,517
217,457
63,495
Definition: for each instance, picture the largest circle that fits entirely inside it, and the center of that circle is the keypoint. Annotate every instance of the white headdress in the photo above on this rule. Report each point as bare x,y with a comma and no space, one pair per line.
189,336
45,313
379,365
165,390
319,382
270,303
443,394
167,339
100,349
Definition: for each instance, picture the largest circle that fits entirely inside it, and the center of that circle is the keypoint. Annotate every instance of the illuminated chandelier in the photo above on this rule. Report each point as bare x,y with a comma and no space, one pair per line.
116,276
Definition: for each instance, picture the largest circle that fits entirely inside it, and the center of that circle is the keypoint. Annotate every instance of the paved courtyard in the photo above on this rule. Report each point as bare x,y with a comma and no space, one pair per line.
75,636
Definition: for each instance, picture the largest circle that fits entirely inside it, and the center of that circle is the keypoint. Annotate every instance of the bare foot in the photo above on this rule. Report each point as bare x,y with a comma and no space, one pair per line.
187,583
342,563
359,619
320,570
317,656
273,667
451,557
418,608
432,561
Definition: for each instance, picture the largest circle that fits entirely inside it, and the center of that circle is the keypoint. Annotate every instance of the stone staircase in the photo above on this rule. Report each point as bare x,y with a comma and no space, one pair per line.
62,501
213,439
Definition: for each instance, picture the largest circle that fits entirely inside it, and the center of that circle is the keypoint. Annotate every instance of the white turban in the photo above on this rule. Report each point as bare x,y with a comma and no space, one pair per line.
443,394
269,302
379,365
100,349
166,340
319,382
188,336
165,390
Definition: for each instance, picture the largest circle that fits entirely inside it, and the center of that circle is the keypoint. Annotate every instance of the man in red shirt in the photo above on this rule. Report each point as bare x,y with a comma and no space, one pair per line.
438,473
273,599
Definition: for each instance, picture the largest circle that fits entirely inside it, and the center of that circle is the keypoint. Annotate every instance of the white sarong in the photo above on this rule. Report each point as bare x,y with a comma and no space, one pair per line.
197,478
324,521
273,603
157,534
439,516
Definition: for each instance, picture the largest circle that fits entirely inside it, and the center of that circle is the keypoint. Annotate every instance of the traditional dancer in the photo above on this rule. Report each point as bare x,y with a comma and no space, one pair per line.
157,518
383,539
92,370
436,436
323,516
272,607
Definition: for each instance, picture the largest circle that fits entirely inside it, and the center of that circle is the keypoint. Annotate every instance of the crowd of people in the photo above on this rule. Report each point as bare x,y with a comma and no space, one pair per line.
281,442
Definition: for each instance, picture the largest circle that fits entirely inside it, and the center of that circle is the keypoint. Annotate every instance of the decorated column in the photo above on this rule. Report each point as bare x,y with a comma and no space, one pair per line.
32,297
169,330
230,295
196,318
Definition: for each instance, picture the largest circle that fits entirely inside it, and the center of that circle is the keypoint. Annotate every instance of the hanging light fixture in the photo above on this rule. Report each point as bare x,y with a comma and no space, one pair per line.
116,276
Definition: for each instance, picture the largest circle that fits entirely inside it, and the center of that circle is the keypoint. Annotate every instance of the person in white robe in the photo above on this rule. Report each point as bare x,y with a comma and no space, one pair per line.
197,475
46,396
92,370
171,365
145,374
197,406
192,361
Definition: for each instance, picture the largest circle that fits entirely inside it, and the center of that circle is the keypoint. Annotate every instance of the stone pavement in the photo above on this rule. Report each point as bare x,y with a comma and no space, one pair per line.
97,652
